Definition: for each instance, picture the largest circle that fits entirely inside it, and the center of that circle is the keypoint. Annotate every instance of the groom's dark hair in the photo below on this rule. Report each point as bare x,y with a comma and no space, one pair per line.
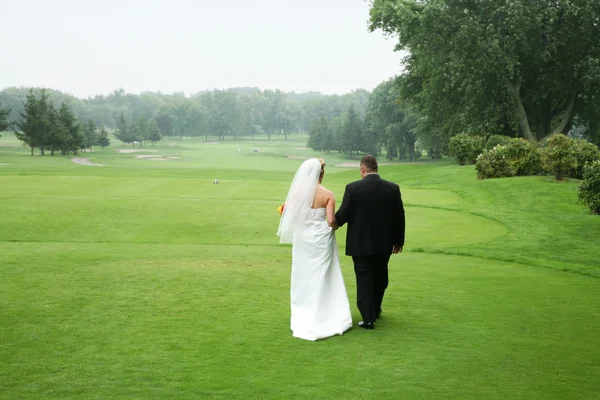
369,162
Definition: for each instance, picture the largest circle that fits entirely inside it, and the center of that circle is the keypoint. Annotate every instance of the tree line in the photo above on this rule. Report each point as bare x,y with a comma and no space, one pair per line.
518,69
47,128
235,112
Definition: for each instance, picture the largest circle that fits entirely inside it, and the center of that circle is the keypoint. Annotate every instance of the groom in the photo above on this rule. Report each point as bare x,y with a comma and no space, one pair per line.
373,209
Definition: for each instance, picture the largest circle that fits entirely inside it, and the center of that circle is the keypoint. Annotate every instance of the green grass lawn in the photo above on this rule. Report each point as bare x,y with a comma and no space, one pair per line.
143,279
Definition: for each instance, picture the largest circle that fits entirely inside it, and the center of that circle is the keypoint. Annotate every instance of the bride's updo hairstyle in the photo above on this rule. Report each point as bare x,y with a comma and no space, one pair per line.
322,168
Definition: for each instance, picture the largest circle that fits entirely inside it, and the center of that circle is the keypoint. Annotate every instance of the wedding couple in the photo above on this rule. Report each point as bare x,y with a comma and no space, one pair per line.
372,208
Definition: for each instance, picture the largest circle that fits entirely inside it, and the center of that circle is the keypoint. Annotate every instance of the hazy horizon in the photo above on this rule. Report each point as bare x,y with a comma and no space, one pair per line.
191,46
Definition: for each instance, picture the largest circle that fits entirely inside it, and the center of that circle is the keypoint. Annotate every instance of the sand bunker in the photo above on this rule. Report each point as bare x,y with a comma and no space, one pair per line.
156,157
85,161
128,151
147,156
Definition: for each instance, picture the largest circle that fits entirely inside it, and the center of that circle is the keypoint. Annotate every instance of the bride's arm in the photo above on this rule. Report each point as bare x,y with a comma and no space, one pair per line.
330,211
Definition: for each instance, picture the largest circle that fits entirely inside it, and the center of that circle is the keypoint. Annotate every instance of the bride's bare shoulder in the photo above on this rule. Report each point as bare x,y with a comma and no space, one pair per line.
326,191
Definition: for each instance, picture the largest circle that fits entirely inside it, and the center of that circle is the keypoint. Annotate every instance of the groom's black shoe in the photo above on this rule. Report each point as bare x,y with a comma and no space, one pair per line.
366,325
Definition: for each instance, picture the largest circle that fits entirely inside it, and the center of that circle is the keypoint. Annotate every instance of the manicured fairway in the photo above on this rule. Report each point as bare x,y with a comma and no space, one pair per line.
143,279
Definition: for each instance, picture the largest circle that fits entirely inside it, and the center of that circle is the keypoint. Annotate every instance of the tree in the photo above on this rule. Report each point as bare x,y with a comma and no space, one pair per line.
56,136
67,121
138,130
385,121
102,139
351,139
317,135
90,135
273,122
74,138
225,116
252,110
123,131
33,127
164,120
497,67
153,133
4,125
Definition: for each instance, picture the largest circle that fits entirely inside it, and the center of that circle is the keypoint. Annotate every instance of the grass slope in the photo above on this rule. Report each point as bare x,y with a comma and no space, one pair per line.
142,279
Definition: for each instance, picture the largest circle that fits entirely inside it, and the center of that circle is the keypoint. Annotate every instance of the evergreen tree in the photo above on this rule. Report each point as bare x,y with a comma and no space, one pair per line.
122,131
351,132
137,131
73,138
90,136
102,139
56,134
142,130
35,123
153,132
328,141
317,134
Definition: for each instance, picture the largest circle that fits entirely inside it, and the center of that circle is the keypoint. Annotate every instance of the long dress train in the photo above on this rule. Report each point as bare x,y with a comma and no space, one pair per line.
319,301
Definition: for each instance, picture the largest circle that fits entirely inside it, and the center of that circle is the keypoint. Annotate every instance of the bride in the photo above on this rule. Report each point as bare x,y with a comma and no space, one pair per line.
319,301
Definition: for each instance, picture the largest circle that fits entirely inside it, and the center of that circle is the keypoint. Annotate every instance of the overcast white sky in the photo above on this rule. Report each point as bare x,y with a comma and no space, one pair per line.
90,47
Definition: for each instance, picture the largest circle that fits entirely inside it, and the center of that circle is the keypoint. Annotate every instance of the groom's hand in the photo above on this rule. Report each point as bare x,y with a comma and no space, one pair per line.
397,249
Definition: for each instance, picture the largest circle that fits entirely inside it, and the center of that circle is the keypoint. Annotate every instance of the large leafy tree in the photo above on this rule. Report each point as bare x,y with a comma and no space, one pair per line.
164,120
273,116
224,115
498,66
394,119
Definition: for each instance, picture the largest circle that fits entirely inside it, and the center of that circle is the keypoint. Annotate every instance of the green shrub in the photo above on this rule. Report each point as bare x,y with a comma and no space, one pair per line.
589,190
493,164
518,157
495,140
523,157
477,143
464,147
558,157
585,152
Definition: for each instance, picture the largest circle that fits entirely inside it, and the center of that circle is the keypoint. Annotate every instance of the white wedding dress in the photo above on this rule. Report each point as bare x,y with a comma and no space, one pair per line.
319,301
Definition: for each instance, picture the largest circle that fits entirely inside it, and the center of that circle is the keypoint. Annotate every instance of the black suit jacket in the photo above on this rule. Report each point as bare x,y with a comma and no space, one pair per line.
373,209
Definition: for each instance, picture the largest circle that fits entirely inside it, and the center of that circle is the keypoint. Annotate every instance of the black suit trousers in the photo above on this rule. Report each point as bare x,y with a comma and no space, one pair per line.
371,282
